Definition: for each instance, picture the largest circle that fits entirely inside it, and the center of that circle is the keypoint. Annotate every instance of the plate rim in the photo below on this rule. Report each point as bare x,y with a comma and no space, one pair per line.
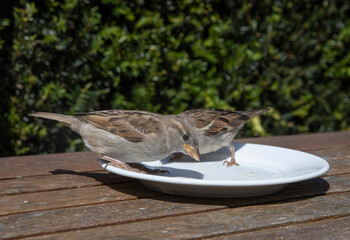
221,183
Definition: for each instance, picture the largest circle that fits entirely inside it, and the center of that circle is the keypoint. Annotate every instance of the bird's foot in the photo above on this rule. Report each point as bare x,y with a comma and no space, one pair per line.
133,167
175,156
230,163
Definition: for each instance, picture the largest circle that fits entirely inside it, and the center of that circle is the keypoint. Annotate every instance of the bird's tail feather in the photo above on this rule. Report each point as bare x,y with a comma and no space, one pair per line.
256,112
66,120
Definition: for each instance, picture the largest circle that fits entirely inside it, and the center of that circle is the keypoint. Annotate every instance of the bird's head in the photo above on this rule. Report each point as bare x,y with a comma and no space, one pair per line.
184,139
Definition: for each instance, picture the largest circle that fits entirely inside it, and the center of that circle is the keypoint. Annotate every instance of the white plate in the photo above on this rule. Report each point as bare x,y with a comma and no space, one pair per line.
262,170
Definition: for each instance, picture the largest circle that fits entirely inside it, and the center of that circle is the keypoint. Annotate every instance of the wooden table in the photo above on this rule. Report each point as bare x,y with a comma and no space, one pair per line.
69,196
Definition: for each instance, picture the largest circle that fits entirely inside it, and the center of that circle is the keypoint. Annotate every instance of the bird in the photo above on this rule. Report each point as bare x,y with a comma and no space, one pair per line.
126,137
216,128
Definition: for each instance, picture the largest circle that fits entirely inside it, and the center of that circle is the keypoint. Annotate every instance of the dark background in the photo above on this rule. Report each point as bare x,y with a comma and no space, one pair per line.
169,56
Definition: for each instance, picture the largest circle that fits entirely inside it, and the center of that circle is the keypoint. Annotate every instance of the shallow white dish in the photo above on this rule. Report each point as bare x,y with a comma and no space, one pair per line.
262,170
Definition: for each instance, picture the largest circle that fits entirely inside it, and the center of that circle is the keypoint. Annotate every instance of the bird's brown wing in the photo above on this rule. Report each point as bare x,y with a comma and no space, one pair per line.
131,125
215,121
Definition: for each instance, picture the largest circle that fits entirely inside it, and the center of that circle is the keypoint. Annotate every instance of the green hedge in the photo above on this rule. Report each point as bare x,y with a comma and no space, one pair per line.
169,56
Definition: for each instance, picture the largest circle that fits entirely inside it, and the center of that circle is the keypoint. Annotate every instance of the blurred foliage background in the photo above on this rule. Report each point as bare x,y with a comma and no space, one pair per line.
169,56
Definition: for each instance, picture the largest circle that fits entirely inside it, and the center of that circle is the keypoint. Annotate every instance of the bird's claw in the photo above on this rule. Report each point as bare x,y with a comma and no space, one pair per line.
230,163
133,167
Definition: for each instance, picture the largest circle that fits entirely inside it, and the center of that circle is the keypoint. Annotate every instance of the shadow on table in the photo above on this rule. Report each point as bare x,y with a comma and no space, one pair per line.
103,177
293,192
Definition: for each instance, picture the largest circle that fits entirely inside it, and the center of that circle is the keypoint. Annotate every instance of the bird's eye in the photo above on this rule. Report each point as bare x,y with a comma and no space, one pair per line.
185,137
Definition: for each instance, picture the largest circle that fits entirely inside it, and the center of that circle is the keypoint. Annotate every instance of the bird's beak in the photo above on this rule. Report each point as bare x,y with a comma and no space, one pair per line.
192,151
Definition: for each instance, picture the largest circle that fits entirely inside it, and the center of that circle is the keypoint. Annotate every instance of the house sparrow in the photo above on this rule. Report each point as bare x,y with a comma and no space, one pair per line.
216,128
130,136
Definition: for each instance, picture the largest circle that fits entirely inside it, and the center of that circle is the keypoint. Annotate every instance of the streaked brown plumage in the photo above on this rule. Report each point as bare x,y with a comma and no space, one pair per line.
131,136
216,128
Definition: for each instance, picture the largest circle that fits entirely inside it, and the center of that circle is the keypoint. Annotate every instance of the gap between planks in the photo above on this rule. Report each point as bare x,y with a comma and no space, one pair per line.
214,210
26,181
185,214
175,227
338,157
258,229
112,183
119,197
286,199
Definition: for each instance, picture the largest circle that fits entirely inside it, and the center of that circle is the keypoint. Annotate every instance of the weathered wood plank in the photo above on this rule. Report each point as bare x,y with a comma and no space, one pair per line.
219,222
94,215
330,229
339,167
39,201
80,180
73,197
333,153
339,159
12,167
304,141
122,212
70,217
77,180
62,179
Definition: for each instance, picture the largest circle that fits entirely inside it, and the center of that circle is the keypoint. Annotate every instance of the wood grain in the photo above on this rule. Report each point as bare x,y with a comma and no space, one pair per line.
69,196
339,167
94,215
34,165
156,207
330,229
60,179
73,197
42,200
333,154
219,222
339,159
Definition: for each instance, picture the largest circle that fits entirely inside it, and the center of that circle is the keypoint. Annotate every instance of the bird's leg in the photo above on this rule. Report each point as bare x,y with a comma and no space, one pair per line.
134,167
176,156
233,160
114,162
